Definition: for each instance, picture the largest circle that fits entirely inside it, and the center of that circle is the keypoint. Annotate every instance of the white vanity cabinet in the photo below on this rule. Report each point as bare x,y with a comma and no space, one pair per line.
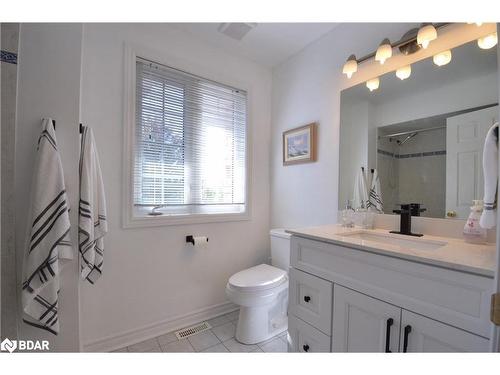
364,324
420,334
367,302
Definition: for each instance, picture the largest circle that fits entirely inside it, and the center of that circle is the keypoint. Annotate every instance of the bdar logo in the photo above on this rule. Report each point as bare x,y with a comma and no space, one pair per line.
8,345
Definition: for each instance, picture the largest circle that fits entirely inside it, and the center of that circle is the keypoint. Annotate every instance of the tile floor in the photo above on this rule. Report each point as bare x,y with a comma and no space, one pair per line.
219,339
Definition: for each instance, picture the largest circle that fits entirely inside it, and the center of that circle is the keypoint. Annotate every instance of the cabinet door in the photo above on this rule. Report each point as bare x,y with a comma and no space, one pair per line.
304,338
363,324
422,334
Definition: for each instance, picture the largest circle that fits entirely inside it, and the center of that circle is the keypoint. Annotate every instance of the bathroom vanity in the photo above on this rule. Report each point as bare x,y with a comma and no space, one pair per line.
354,290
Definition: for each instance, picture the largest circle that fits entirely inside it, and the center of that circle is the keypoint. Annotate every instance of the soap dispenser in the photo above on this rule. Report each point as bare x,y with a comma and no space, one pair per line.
473,232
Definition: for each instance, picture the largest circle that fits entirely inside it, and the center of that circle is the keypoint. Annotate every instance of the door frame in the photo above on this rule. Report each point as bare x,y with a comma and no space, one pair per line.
495,330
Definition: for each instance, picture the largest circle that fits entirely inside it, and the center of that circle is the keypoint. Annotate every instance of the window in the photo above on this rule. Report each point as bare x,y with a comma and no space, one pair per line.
190,144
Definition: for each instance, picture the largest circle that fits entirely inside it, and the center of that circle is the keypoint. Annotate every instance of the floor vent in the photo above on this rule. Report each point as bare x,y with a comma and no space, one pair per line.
190,331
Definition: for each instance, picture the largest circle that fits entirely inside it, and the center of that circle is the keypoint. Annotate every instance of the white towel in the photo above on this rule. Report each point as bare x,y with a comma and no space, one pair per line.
92,224
360,195
375,198
490,168
48,246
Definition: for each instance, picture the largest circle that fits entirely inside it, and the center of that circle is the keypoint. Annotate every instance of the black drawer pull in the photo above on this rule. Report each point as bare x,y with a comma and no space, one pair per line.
405,341
305,347
389,324
307,299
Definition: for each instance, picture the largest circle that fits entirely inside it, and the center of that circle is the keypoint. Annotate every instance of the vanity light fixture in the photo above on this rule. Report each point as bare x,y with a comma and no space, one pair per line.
411,42
426,34
373,84
442,58
478,24
488,41
350,67
403,72
384,51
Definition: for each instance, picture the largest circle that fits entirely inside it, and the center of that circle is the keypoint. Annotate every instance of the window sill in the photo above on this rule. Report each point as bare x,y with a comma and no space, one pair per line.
144,221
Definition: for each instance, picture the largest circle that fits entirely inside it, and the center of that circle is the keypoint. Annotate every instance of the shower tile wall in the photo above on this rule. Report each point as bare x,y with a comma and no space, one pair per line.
423,179
420,172
8,58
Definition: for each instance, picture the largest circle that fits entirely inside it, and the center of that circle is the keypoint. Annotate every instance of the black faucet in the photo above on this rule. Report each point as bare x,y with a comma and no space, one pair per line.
407,211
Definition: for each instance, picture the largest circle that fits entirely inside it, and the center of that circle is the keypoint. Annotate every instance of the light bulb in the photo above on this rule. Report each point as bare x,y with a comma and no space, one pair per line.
442,58
373,84
384,51
403,72
488,41
350,67
426,34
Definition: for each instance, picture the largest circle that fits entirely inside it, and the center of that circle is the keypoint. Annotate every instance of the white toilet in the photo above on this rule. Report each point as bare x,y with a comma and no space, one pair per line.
262,294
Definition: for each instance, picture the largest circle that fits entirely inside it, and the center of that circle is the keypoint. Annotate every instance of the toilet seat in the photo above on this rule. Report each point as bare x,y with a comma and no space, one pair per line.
258,278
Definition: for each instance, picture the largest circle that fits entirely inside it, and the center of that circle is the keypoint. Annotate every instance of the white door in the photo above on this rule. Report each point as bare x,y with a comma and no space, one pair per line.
424,335
465,136
363,324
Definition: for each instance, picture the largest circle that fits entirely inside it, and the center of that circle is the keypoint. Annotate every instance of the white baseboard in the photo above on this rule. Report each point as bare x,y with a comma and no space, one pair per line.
134,336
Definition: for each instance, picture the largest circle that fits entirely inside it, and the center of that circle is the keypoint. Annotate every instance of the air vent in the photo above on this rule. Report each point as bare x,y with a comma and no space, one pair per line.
190,331
236,30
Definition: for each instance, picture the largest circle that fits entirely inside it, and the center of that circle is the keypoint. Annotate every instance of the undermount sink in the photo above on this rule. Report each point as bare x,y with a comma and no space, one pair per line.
395,240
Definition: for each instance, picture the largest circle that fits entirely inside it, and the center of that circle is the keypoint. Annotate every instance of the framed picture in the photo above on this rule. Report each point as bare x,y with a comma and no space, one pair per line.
299,145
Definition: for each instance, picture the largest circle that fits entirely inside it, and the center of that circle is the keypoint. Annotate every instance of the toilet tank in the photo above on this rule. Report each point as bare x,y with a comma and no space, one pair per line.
280,249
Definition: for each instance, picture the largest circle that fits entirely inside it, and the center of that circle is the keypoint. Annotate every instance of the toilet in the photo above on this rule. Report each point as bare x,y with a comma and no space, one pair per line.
262,294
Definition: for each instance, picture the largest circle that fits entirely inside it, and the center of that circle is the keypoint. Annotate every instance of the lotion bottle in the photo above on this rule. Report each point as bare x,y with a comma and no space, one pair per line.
473,232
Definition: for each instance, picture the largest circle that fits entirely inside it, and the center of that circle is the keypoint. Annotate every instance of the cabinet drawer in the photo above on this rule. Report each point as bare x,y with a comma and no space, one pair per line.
311,300
303,337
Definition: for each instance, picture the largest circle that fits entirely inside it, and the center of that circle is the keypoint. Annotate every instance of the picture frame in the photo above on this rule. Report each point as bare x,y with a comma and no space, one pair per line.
299,145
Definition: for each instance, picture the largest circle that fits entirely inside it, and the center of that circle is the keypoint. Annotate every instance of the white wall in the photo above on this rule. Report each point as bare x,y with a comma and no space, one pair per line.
150,275
307,88
353,154
49,86
459,95
8,76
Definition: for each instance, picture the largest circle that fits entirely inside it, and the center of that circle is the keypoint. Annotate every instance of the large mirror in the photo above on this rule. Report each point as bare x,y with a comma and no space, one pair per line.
423,135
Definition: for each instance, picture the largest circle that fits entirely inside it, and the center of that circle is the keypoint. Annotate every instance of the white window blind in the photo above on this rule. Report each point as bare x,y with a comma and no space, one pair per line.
190,142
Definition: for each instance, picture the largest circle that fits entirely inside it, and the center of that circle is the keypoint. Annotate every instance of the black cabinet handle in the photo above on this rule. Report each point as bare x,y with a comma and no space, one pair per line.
389,324
307,299
405,341
305,347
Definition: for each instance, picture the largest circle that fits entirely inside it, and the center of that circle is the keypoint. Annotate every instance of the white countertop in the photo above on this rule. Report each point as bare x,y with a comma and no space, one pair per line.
456,254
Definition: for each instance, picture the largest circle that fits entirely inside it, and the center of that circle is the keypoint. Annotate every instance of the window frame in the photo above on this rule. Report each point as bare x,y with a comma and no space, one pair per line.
133,217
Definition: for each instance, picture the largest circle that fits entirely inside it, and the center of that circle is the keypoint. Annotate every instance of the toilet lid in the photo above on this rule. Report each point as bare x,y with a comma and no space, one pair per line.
260,277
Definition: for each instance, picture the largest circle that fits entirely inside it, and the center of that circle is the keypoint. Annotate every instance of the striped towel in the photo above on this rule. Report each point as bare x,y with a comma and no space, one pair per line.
375,198
92,225
48,246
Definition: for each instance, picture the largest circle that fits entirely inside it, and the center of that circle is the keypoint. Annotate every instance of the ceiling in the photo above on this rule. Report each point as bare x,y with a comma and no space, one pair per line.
268,44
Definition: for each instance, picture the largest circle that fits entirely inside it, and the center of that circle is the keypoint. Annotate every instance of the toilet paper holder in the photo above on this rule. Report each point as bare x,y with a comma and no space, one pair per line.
190,239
